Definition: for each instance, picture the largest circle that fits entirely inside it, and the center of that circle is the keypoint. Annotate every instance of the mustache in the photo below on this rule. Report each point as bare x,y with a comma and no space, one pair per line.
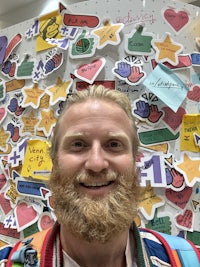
105,175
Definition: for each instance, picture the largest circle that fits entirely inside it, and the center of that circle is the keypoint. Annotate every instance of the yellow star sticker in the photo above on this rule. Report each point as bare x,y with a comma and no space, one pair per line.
59,91
32,96
44,101
167,51
149,202
191,169
4,136
108,34
29,123
47,122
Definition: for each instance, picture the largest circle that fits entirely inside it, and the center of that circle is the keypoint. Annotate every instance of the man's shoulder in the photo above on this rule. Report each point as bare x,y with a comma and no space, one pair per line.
168,248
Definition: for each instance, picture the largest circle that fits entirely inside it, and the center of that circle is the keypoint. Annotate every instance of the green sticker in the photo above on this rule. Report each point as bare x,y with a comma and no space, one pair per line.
157,136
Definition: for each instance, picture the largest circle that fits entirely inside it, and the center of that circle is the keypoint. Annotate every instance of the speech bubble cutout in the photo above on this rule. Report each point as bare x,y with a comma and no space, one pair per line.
157,136
29,188
179,199
25,216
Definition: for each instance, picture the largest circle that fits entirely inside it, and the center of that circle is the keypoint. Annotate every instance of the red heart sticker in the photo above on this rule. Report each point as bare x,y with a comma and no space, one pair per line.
173,119
25,216
180,198
194,94
177,20
185,220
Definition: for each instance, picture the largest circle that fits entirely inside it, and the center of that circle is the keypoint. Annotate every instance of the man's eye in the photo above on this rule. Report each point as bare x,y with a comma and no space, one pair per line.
114,145
78,145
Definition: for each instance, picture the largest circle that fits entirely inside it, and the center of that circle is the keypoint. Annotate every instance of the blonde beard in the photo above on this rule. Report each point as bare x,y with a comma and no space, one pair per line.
95,219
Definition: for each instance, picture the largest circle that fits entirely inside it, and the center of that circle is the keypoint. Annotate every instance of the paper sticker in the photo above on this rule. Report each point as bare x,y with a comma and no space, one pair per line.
2,90
190,131
156,136
138,42
25,215
175,179
184,61
12,44
77,20
25,68
47,121
108,34
37,163
173,119
32,96
194,93
17,154
12,194
29,188
160,224
89,72
4,137
167,86
185,220
195,59
149,202
59,91
83,46
45,221
130,73
178,20
33,30
5,204
190,169
29,124
3,45
179,199
167,50
8,231
147,112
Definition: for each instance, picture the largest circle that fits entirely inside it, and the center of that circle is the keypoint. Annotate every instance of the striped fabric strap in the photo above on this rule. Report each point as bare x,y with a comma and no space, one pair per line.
185,251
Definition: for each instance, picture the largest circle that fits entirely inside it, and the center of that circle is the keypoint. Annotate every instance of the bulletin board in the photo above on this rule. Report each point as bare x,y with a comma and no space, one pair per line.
149,50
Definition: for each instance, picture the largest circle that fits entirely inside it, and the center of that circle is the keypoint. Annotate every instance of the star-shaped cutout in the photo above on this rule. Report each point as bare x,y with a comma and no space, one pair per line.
167,50
149,202
32,96
29,123
4,137
108,34
190,169
59,91
47,121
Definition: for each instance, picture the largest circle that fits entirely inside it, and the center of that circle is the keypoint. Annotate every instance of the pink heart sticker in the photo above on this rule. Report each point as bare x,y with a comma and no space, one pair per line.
89,72
173,119
25,216
185,220
177,20
180,198
45,221
2,114
5,204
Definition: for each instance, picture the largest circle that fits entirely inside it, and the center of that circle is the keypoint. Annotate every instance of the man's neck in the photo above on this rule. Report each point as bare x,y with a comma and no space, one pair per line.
90,254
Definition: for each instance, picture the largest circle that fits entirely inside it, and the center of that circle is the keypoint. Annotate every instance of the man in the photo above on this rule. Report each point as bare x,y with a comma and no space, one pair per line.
95,189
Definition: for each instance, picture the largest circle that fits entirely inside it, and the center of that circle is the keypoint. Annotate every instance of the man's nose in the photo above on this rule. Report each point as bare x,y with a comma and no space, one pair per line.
96,160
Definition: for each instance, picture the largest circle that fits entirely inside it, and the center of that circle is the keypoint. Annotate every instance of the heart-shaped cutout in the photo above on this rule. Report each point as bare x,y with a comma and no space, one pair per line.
180,198
177,20
194,94
185,220
3,181
25,216
5,204
173,119
89,72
